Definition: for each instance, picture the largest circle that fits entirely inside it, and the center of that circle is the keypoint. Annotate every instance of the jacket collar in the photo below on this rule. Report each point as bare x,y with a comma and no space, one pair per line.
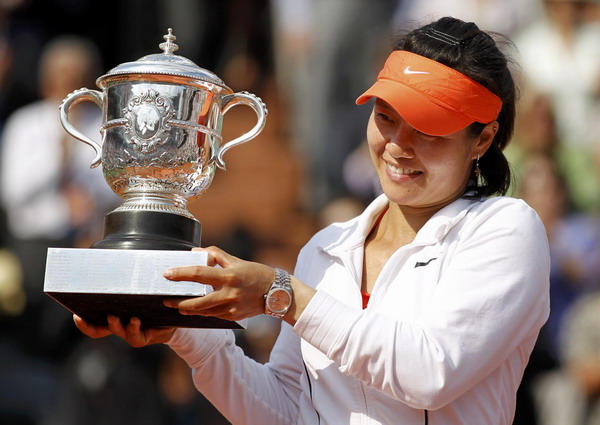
354,232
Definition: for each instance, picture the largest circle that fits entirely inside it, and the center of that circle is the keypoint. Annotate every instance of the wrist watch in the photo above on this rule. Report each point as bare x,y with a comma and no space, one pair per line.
279,298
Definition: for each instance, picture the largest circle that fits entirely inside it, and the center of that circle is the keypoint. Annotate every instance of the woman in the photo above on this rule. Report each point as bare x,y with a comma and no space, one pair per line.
454,285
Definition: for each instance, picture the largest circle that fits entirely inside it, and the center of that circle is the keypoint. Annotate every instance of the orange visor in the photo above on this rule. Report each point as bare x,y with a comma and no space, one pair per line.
433,98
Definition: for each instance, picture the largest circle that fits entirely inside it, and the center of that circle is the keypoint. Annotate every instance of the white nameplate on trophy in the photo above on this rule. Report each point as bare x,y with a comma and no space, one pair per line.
122,271
94,283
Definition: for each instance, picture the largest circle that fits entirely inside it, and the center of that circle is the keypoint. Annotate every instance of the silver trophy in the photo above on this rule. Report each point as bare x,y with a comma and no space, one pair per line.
161,144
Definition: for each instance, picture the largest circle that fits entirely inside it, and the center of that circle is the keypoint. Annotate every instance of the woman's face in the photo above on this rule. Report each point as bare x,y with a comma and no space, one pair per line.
417,170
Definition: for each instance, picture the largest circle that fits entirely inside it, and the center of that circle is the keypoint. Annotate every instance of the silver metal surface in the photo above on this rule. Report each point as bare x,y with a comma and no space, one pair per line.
161,129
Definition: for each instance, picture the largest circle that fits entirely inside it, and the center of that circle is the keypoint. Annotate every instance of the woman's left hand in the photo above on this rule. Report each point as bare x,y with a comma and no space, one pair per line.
239,286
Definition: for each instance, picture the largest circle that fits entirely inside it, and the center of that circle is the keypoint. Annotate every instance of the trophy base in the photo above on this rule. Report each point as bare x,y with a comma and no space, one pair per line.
139,229
94,309
95,283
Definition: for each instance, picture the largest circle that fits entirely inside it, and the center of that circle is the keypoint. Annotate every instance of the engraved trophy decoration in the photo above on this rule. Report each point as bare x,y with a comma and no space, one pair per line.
161,143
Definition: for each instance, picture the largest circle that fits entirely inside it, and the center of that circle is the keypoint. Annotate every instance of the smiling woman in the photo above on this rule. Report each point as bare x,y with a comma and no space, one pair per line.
425,308
418,170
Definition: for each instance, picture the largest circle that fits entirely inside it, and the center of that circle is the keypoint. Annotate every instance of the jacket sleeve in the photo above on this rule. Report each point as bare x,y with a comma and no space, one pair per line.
239,387
487,306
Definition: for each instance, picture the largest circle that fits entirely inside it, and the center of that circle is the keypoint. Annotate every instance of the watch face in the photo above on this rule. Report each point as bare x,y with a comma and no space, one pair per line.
278,300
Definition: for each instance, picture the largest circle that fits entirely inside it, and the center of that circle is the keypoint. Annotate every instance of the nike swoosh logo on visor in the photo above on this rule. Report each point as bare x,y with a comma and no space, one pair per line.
409,71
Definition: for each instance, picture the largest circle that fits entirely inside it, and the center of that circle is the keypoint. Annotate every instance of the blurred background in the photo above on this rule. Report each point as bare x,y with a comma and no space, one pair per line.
308,60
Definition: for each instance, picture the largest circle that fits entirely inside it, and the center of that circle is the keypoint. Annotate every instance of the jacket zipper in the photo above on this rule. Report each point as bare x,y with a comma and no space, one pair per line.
311,390
362,390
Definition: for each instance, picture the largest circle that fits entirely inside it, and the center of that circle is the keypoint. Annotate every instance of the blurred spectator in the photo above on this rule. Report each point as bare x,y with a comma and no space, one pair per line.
5,66
359,177
51,198
12,294
574,239
560,56
581,351
14,93
247,206
340,210
535,133
326,53
503,16
571,394
105,382
535,129
181,403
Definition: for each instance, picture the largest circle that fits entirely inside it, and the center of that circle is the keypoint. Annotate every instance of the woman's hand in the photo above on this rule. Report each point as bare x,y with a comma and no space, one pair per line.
239,286
133,334
239,290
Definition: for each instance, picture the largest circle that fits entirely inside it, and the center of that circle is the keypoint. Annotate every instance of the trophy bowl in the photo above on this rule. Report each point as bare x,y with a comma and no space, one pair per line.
161,144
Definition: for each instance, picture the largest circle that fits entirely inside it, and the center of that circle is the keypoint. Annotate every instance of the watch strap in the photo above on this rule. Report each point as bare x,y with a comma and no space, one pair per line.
282,281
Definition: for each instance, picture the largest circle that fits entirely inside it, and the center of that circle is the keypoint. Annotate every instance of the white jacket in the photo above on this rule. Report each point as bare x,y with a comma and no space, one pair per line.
449,328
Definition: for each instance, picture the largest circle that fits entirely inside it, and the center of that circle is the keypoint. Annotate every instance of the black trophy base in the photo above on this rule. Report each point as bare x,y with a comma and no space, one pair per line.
135,229
94,308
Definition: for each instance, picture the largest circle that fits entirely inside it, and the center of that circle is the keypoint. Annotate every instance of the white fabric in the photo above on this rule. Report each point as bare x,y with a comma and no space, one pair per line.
449,328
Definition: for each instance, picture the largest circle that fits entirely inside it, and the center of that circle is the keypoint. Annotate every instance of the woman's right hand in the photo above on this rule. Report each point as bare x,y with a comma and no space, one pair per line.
133,333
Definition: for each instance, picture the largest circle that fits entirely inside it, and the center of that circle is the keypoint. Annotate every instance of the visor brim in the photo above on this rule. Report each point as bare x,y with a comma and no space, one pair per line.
421,111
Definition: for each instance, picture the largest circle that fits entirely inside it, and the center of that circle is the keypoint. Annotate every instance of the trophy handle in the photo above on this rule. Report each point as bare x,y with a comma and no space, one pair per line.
74,98
242,98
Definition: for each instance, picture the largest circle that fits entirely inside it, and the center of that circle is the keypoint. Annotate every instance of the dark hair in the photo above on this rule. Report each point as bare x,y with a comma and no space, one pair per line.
464,47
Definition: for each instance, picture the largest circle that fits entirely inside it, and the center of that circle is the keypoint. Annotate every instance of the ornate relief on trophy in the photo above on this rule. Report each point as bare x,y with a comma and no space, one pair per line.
148,117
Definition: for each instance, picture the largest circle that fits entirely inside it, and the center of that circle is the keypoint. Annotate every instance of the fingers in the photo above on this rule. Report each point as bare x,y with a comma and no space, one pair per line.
202,274
221,311
227,303
93,331
198,305
133,333
137,337
233,272
217,256
209,274
239,286
115,326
